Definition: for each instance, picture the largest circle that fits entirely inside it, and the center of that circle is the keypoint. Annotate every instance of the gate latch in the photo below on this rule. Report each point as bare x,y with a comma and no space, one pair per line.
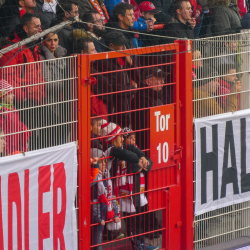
179,224
178,154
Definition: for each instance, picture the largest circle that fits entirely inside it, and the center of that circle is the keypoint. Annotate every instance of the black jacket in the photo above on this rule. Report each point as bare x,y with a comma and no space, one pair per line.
9,17
166,8
130,45
177,29
66,39
95,142
144,99
136,181
145,40
111,83
45,16
131,154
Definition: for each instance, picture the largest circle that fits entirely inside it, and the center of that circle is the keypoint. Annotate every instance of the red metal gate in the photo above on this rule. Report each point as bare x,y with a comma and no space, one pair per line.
142,93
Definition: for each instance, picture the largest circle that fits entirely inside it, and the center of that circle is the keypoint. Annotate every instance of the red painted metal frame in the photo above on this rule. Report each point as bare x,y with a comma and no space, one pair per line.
186,97
83,153
178,216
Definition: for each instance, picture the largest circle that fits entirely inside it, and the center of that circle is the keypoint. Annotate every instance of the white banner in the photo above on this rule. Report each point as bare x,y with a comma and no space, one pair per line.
222,161
37,194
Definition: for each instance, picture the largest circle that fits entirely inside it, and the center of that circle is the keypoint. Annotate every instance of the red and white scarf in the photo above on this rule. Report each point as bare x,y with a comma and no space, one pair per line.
104,195
123,186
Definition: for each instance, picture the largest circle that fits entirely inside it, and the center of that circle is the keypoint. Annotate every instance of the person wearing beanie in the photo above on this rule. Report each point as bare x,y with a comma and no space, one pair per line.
129,136
123,161
17,136
102,192
203,92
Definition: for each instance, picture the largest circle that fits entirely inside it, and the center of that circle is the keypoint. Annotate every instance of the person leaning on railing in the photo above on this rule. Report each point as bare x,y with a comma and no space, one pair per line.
123,160
205,104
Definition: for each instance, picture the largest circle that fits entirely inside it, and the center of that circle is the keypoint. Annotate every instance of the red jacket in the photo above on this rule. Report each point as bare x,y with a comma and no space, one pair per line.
223,89
17,136
24,77
98,107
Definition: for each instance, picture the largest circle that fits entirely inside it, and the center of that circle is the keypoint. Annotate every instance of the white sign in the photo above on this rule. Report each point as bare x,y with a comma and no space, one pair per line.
37,194
222,161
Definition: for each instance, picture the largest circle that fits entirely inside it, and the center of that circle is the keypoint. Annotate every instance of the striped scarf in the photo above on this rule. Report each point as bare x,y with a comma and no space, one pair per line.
101,9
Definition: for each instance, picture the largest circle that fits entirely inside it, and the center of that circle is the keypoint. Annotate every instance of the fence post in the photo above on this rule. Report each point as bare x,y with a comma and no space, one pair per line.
186,99
84,191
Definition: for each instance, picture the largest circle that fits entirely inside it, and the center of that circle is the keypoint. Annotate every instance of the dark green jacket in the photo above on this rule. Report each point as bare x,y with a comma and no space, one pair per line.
225,19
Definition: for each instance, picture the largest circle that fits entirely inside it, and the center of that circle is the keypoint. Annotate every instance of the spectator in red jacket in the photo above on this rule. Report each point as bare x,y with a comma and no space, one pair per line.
27,80
24,77
17,136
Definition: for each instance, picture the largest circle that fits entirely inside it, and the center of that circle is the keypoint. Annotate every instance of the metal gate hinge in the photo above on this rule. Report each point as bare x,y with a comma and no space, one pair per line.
178,154
179,224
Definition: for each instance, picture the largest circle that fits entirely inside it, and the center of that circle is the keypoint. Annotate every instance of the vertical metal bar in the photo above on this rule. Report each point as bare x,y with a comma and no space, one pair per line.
84,153
186,97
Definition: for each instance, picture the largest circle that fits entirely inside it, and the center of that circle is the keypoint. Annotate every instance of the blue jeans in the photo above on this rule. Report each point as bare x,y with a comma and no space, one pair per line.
97,239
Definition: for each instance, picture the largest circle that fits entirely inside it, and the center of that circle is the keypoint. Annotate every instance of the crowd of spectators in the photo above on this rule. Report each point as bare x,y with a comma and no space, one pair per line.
38,92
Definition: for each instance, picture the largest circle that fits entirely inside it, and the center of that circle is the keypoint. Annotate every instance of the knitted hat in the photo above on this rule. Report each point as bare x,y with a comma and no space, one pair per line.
112,130
95,152
103,121
5,88
127,132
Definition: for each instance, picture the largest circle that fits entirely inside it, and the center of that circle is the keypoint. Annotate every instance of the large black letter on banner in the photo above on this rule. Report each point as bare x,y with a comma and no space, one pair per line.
245,178
229,175
209,161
